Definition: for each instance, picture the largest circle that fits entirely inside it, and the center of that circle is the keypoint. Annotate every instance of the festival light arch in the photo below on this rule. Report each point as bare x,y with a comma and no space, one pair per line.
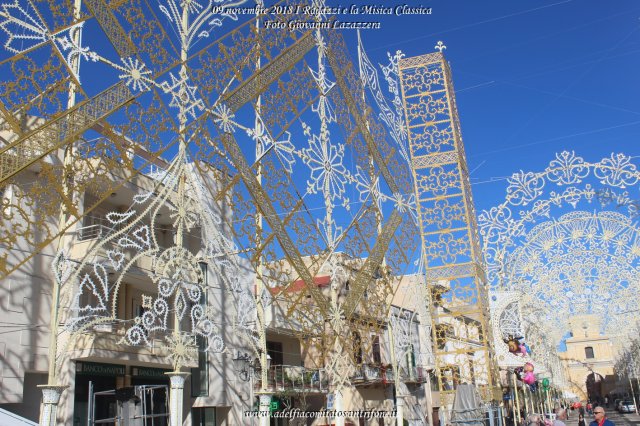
567,239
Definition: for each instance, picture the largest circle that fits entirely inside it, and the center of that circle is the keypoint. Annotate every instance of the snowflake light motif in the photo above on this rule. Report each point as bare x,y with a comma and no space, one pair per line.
328,174
224,119
182,349
340,369
283,148
336,318
183,95
135,74
184,217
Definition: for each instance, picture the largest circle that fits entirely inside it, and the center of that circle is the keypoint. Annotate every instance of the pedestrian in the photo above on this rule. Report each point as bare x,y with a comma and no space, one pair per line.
507,420
606,401
533,420
581,421
589,408
561,418
599,418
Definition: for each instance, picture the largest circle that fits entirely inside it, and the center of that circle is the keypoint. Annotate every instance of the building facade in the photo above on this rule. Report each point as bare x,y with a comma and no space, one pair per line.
97,363
391,362
589,359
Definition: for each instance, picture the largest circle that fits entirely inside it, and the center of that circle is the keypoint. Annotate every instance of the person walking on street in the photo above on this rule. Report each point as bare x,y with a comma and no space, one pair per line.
533,420
581,421
561,418
599,418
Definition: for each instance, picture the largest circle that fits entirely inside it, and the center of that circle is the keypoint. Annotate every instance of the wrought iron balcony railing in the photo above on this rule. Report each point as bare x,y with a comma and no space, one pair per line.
290,378
372,373
91,232
369,373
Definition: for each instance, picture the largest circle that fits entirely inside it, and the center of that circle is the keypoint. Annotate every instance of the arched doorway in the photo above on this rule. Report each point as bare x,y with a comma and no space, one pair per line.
594,387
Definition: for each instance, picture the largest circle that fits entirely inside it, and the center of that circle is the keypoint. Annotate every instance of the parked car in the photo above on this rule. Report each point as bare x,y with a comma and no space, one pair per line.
627,406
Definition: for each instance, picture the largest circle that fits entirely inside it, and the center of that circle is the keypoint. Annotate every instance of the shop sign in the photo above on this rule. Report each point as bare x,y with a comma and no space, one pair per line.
157,373
96,369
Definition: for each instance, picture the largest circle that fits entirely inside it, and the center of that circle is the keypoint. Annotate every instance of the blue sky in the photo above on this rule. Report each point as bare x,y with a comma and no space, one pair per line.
532,78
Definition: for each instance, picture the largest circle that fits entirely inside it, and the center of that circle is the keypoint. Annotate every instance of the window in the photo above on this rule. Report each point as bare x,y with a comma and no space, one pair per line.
375,348
357,348
588,352
95,224
274,350
204,416
200,375
411,358
433,381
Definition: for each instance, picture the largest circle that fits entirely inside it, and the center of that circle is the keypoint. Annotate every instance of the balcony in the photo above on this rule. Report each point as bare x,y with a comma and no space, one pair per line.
105,341
97,229
93,232
370,373
293,379
367,374
414,375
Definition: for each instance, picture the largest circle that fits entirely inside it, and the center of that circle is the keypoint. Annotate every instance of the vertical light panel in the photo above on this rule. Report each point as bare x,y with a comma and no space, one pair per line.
454,265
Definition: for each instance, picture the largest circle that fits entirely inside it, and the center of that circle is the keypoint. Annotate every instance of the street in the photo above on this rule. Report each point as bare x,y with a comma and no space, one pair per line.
624,419
617,418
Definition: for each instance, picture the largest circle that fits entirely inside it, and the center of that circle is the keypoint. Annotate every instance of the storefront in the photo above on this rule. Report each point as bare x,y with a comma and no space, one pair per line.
110,377
101,377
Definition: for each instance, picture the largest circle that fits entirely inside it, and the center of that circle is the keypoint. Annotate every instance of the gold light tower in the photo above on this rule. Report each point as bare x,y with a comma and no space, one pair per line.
454,264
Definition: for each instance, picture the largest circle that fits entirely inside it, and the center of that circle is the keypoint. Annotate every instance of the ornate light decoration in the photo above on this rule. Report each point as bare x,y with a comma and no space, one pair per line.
454,268
564,260
253,151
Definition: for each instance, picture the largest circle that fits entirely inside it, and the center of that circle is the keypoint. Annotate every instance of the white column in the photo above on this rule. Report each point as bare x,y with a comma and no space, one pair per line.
265,402
399,410
338,405
176,397
429,398
49,408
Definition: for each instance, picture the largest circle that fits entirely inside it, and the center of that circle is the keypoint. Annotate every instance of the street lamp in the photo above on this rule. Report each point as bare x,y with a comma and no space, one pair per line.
243,366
